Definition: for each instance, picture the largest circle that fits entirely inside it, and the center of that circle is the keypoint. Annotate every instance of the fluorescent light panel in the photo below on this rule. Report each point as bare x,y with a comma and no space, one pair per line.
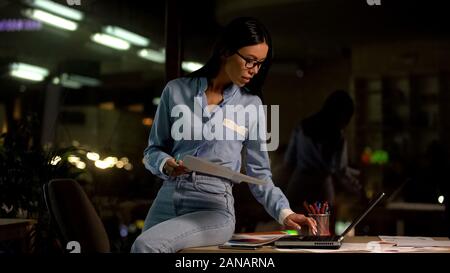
57,9
88,81
153,55
67,83
71,84
51,19
110,41
27,75
31,68
77,81
126,35
28,72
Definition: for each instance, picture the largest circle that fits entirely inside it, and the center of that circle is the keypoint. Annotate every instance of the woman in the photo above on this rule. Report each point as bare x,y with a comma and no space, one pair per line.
194,209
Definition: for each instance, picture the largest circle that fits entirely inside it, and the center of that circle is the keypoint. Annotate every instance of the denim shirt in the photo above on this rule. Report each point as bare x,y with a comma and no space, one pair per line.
189,93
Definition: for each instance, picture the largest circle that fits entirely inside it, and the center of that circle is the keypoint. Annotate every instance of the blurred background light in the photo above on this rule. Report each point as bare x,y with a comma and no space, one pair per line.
110,41
51,19
153,55
57,9
28,72
126,35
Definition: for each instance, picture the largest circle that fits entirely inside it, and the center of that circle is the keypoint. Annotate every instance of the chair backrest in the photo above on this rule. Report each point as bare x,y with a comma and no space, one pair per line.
75,216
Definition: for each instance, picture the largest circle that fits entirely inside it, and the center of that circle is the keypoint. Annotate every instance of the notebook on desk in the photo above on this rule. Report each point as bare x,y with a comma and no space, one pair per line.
331,242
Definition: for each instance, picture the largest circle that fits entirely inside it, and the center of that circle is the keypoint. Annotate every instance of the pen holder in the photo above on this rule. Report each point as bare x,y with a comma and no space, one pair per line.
323,224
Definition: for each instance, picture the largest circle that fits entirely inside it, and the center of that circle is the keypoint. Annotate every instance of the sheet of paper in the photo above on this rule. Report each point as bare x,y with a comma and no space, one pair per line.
406,241
372,247
204,166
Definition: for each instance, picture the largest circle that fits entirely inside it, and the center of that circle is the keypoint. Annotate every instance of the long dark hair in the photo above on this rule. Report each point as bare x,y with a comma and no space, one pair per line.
240,32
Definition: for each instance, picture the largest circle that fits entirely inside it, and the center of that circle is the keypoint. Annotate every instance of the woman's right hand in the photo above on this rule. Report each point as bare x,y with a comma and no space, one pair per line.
174,168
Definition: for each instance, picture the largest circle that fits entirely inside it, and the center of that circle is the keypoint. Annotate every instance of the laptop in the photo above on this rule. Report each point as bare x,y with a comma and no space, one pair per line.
327,242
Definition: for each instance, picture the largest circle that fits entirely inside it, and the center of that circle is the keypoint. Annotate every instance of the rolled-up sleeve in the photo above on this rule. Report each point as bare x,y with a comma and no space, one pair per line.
160,141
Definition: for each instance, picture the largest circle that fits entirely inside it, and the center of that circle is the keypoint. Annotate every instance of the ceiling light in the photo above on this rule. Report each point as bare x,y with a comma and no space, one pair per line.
26,75
51,19
110,41
28,72
157,56
84,80
77,81
57,9
71,84
29,67
126,35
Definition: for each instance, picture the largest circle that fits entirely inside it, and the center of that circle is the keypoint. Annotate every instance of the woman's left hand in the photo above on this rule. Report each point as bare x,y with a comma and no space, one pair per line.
295,221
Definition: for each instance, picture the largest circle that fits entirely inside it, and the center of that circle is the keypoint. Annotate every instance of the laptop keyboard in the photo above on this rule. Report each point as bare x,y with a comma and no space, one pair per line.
316,238
312,238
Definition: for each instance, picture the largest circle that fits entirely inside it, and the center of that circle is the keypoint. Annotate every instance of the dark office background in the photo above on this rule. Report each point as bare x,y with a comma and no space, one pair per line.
394,59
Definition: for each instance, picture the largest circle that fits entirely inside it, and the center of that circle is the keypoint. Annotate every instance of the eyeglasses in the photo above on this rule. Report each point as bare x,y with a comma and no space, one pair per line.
250,63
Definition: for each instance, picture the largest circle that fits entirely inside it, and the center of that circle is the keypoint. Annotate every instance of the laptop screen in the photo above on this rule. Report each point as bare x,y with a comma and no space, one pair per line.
364,213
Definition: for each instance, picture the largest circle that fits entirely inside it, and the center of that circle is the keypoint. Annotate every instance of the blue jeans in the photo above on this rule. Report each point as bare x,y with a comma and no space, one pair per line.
189,211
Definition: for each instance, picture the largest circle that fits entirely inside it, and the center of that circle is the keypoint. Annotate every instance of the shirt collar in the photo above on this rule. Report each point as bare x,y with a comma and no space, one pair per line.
227,93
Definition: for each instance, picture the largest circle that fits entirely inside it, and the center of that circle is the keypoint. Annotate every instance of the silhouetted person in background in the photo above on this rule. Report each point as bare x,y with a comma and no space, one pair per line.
316,156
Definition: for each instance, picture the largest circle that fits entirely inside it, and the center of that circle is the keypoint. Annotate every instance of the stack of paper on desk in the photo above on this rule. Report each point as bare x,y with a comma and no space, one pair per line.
204,166
405,241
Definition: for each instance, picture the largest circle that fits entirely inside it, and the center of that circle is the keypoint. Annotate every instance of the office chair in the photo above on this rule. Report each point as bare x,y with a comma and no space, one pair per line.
74,216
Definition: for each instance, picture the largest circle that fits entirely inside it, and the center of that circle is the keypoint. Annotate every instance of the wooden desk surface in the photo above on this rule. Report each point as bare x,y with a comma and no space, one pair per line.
271,249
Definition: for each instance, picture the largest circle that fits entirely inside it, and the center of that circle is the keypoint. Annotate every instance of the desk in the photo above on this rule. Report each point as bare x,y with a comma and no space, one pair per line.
350,241
18,229
407,218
